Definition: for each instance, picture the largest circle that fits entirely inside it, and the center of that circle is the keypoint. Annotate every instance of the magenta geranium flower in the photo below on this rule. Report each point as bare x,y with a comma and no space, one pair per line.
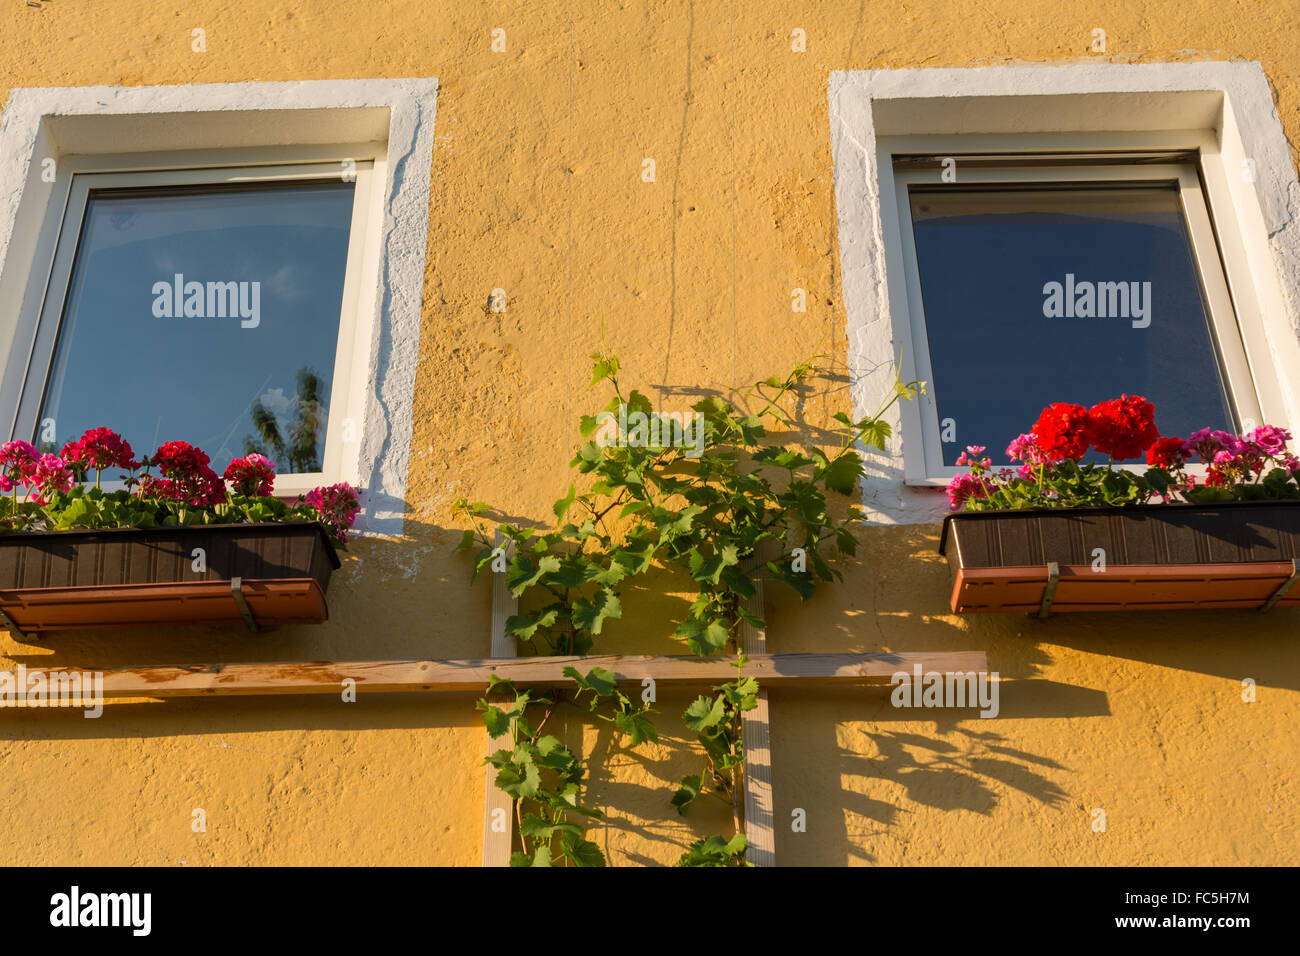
337,505
17,464
52,474
1269,439
1025,448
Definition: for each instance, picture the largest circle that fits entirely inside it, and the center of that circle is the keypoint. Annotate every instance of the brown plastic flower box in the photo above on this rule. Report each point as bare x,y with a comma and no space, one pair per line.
1156,557
256,575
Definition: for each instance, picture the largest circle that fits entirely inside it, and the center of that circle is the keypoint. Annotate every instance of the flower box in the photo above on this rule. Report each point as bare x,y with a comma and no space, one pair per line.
252,575
1147,557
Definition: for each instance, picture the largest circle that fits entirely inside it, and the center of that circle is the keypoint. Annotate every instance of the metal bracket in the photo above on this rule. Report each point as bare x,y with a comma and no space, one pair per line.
1283,587
237,592
10,623
1049,592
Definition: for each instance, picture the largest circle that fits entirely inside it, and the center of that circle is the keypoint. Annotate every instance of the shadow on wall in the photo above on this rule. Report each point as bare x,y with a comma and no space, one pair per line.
634,789
233,715
840,759
855,769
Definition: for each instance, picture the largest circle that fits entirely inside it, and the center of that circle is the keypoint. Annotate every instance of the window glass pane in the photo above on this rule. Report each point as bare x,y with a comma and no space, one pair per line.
1126,314
209,315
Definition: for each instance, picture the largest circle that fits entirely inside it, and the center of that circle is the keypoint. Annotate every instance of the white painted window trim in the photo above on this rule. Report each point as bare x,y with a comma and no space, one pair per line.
203,126
345,401
920,418
1226,109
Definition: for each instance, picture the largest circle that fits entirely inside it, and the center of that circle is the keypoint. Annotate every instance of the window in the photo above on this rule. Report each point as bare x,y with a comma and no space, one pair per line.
1039,279
195,164
214,305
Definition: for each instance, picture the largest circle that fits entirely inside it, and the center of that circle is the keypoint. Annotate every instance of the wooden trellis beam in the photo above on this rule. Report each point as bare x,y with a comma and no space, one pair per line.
471,675
756,735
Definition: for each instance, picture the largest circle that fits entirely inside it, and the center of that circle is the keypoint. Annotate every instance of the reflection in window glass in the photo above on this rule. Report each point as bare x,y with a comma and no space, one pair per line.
1042,295
209,315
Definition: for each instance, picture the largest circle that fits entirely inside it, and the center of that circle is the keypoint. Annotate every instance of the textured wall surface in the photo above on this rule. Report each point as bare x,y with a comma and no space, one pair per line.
537,189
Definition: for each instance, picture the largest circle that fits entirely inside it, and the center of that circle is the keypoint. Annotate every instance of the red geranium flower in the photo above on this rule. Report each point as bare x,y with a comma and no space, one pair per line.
99,448
190,478
1165,453
251,475
1124,427
1064,431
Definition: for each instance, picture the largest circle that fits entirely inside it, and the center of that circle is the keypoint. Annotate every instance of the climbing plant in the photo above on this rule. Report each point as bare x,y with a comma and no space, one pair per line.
712,498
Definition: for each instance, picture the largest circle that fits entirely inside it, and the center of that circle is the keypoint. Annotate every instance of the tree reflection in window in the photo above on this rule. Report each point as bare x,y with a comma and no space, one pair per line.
292,445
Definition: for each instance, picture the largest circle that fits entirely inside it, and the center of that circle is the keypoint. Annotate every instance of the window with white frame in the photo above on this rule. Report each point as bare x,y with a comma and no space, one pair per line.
238,265
214,304
1034,278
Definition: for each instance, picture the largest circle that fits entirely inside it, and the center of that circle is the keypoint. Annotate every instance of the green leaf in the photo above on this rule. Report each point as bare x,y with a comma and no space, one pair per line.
583,852
782,458
525,628
638,728
541,857
842,473
546,745
599,681
875,432
686,793
519,778
636,555
494,718
715,851
561,507
708,569
703,637
534,827
606,577
604,367
523,574
674,524
632,507
705,714
590,615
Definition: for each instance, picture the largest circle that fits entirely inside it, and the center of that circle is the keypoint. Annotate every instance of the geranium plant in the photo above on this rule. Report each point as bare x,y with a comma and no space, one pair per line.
1254,466
174,486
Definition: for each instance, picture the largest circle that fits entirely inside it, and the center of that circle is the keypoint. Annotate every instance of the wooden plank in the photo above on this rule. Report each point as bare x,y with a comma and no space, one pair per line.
497,843
756,734
471,676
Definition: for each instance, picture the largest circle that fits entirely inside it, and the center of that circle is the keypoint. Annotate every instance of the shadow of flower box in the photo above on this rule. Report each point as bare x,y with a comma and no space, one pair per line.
250,575
1148,557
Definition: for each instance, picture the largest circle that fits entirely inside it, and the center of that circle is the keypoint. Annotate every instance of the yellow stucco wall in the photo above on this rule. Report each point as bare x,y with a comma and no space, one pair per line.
536,189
